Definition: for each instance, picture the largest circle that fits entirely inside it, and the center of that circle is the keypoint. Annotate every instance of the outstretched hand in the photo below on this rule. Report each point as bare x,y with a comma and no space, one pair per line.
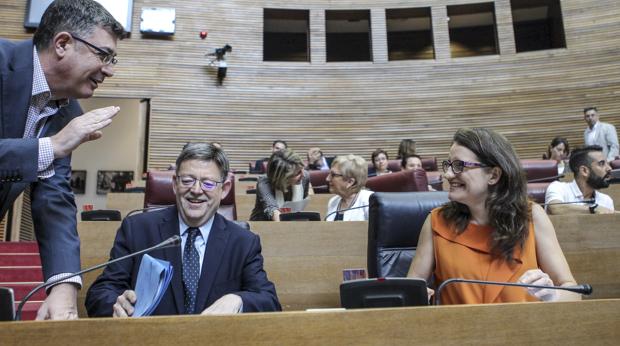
86,127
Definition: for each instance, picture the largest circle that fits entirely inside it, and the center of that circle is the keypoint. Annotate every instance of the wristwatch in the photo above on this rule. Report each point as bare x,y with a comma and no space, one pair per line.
593,208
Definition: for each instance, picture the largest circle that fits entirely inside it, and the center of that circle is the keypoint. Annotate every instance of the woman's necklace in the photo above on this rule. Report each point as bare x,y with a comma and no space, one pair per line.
342,206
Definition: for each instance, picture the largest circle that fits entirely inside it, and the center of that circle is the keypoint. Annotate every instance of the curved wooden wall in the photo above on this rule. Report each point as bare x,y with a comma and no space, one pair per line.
357,107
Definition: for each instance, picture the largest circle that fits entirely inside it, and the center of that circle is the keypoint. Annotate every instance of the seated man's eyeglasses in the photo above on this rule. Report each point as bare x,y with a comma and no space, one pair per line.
189,182
105,57
333,175
458,165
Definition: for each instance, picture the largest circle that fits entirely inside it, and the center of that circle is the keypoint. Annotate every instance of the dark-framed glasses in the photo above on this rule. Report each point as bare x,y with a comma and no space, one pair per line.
459,165
188,181
333,175
105,56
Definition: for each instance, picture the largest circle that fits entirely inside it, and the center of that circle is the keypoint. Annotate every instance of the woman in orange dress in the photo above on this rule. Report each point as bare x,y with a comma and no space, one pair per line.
490,230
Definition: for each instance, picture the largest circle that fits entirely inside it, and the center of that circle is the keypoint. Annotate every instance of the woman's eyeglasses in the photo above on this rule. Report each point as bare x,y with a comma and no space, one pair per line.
459,165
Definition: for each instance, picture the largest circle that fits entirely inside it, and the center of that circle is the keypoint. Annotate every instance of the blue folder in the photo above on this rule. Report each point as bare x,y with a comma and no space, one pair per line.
154,278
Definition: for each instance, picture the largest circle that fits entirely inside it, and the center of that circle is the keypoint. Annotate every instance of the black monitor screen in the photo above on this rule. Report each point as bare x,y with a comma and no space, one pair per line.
120,9
383,293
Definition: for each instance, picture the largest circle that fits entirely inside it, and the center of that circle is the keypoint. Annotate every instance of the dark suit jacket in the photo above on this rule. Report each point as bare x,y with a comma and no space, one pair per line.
53,206
232,264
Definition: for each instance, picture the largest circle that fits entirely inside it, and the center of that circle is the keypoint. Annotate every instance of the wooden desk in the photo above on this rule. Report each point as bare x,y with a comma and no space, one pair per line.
305,259
245,204
581,323
125,202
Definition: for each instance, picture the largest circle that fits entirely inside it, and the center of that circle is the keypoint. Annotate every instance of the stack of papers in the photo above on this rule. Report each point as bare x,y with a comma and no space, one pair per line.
153,279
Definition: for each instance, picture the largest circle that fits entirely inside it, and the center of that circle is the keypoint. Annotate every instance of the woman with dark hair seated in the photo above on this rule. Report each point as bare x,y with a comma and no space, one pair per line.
347,178
286,180
380,162
490,230
559,151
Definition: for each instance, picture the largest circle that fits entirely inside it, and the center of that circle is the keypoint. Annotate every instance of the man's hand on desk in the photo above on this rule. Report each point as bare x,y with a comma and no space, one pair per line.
60,304
124,304
228,304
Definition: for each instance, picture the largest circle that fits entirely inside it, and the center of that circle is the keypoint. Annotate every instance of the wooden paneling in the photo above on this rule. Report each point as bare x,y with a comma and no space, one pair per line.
357,107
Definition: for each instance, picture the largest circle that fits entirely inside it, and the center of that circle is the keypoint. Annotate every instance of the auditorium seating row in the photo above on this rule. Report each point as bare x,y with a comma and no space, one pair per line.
540,173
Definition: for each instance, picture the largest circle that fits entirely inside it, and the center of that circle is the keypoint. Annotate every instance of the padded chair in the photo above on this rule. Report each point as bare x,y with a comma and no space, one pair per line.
429,164
101,215
399,182
394,224
158,192
435,179
537,191
615,164
317,179
540,171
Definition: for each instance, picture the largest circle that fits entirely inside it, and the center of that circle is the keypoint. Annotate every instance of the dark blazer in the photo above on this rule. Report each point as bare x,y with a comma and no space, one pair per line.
232,264
53,206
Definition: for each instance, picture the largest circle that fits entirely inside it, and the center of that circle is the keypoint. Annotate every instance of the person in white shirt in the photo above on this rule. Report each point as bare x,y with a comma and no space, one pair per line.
347,178
592,172
600,133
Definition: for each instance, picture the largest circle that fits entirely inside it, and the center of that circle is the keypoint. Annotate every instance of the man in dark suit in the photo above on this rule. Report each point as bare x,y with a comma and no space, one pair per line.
217,269
71,53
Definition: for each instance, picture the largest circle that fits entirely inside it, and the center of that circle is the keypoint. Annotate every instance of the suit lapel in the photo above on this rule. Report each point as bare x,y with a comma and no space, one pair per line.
14,100
216,246
168,227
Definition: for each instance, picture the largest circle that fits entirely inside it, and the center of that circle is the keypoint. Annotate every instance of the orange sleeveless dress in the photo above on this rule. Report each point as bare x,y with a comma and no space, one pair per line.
468,256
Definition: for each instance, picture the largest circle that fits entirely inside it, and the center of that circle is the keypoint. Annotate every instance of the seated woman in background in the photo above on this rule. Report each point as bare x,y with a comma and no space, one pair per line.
412,162
490,230
559,151
405,148
380,159
286,180
347,179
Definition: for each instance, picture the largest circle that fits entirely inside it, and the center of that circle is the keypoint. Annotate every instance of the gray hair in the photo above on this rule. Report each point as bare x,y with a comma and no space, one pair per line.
353,166
77,16
204,152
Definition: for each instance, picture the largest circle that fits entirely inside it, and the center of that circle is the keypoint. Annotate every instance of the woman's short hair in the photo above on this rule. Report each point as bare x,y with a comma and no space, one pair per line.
507,202
406,148
353,166
555,142
377,153
403,161
281,166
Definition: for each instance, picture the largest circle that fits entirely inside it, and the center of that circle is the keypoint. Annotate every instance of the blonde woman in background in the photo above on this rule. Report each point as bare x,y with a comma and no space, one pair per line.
347,178
286,180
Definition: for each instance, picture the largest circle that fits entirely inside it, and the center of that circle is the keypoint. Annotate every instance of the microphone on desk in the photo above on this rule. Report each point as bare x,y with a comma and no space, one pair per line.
546,179
141,210
342,210
581,289
170,242
585,201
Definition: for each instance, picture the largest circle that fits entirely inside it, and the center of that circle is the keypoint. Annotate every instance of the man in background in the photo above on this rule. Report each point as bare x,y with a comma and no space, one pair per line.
600,133
72,52
592,172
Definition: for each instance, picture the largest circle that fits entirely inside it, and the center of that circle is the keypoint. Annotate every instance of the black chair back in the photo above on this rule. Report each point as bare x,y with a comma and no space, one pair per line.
394,224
